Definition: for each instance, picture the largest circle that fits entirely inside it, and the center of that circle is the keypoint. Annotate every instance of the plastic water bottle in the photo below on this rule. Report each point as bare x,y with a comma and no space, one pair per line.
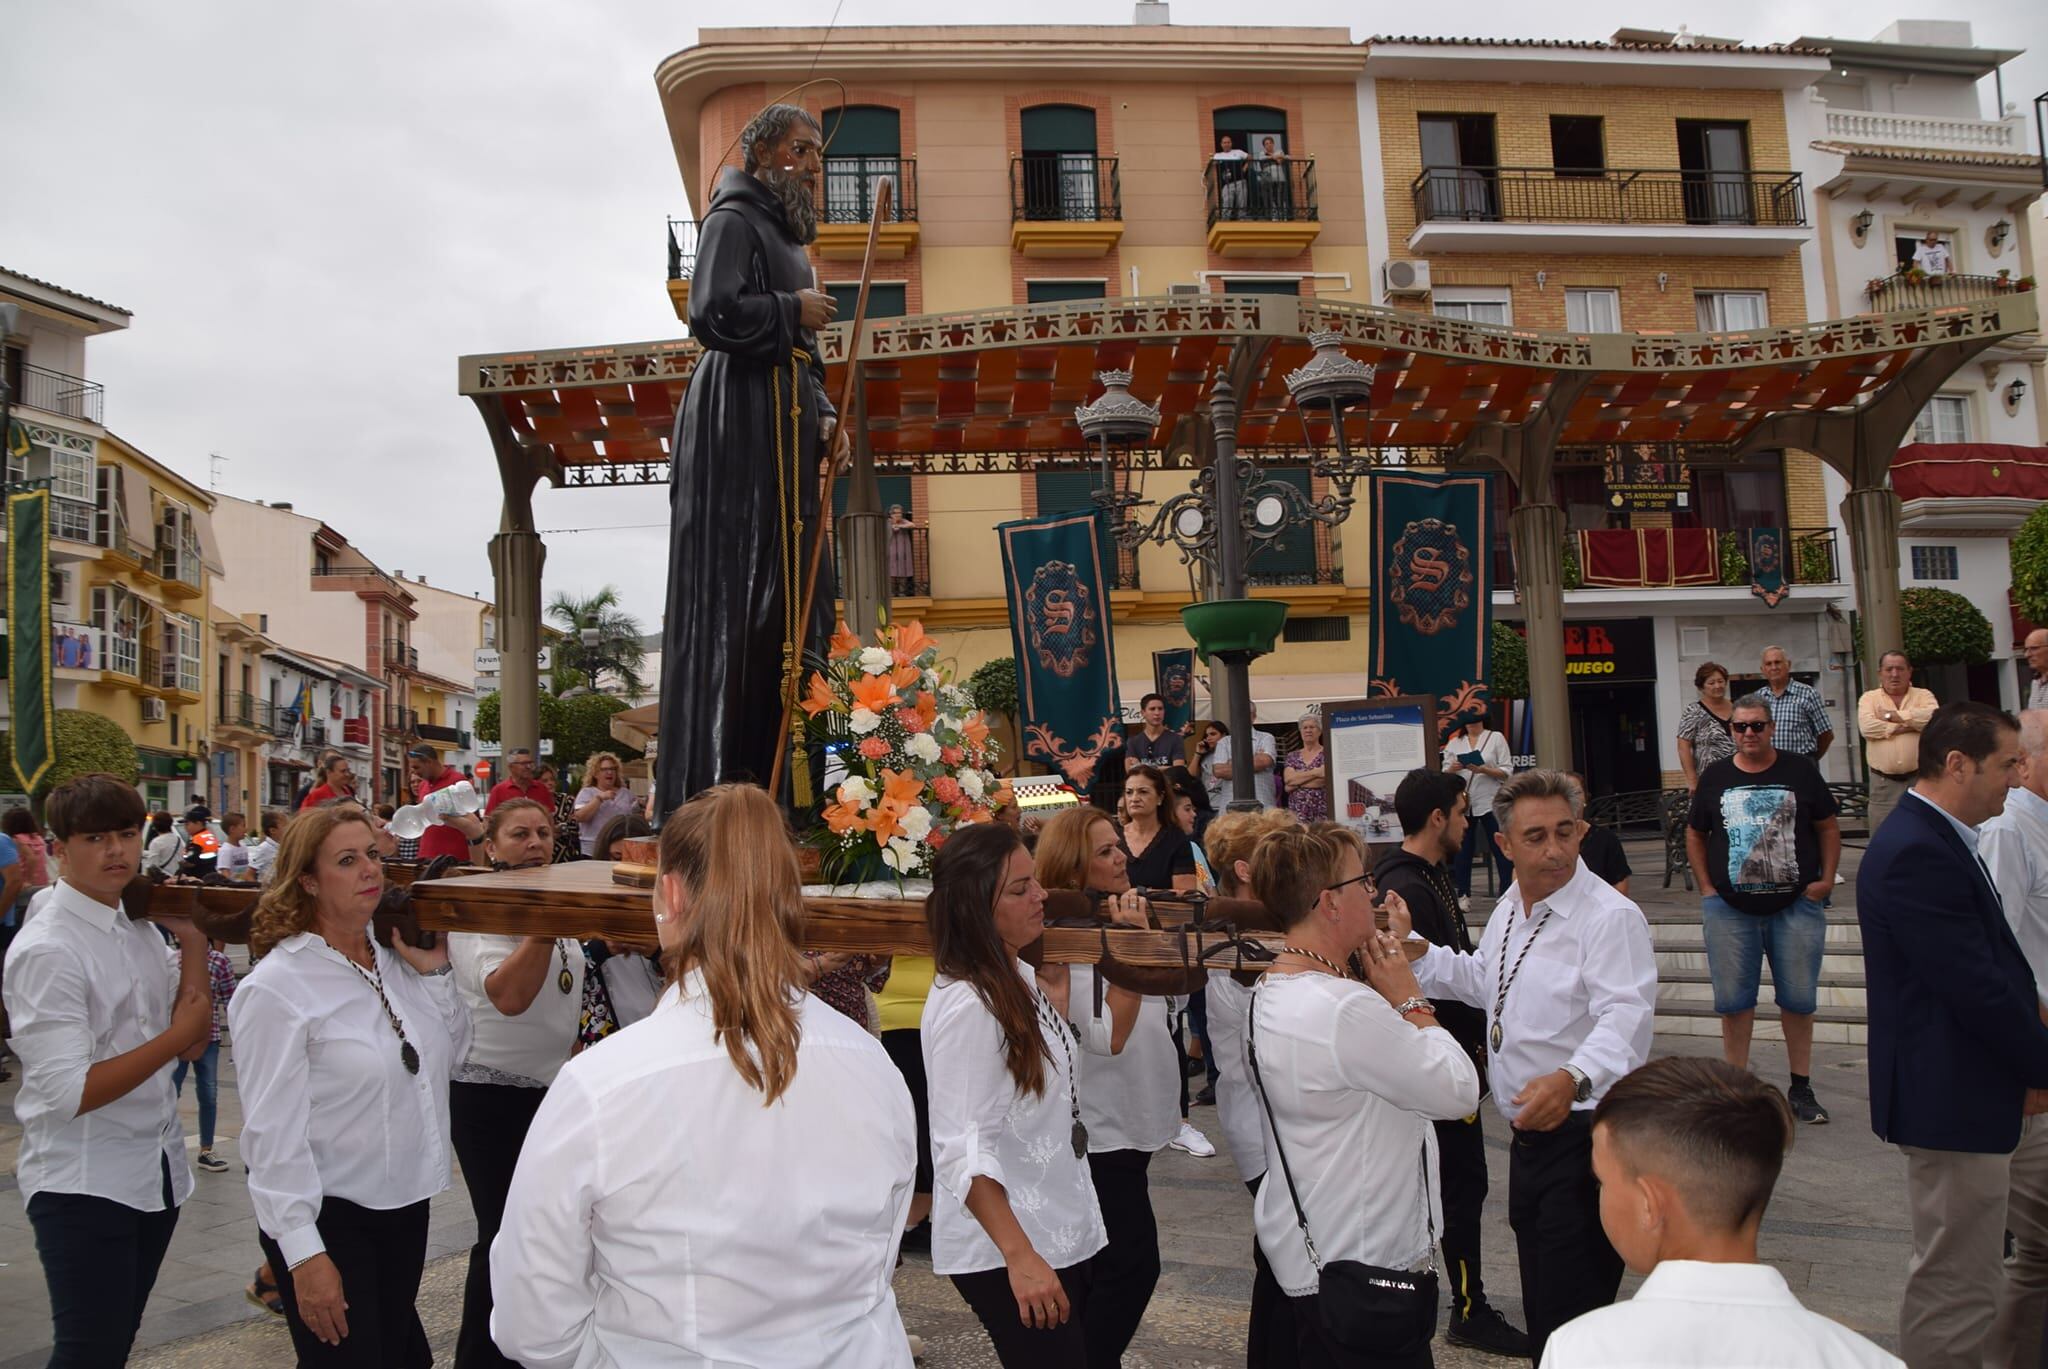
412,821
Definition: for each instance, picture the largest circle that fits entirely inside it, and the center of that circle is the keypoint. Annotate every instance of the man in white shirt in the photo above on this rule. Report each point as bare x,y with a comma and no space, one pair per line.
2035,649
263,854
2014,845
1687,1150
1229,161
1263,759
99,1015
1568,978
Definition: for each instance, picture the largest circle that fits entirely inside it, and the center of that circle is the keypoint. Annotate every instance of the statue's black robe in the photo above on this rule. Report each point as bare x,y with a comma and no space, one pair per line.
730,593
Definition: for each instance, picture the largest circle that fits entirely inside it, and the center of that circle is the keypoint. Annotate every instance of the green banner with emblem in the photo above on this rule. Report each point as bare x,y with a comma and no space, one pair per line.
31,720
1058,581
1432,608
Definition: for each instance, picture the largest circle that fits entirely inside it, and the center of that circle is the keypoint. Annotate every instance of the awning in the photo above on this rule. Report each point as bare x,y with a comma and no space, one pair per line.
209,546
1970,470
635,727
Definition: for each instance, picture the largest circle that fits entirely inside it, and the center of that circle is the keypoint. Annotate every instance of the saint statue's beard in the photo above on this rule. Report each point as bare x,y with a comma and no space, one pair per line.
799,211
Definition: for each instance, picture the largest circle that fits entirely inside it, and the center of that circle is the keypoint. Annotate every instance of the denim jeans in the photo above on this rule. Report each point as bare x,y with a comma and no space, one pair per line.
1479,835
207,1069
1795,939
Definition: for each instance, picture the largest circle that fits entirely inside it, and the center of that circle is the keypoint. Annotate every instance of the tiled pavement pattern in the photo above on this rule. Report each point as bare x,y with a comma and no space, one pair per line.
1838,1230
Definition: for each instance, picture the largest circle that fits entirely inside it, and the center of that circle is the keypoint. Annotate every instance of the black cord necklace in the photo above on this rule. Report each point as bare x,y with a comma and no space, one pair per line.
1050,1018
374,977
1508,976
564,980
1291,949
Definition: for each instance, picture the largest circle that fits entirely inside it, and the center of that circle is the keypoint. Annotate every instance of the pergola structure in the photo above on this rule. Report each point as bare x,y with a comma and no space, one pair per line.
996,390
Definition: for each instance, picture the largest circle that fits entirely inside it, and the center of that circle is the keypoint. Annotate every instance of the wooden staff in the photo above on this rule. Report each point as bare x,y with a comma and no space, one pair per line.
792,687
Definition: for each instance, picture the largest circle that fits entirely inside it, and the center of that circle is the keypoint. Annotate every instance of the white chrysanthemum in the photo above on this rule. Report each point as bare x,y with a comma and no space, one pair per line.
924,746
903,856
857,789
876,660
916,824
970,783
863,721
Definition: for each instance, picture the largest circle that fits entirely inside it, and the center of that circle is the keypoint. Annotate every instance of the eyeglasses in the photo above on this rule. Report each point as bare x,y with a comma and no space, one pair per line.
1355,879
1757,726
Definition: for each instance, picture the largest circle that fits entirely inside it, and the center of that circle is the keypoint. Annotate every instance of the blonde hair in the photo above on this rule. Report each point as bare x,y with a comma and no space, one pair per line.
1232,837
597,758
287,908
744,925
1063,847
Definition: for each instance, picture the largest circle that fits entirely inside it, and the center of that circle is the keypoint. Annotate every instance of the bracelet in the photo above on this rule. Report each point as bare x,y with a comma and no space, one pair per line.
1417,1005
444,969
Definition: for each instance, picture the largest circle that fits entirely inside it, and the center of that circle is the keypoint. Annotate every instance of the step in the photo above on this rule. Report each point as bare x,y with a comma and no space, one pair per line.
1671,940
1829,979
1664,916
1826,1031
1673,997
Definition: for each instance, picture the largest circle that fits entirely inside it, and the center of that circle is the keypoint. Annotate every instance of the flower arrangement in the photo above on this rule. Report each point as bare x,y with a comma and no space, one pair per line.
919,766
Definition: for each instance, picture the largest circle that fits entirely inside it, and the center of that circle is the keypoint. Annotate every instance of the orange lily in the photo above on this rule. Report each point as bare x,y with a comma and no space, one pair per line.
975,729
927,709
903,676
874,693
844,817
844,643
909,640
900,789
820,699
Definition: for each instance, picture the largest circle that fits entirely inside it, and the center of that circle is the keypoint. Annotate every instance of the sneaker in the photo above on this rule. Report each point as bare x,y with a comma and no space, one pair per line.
916,1345
1206,1098
1487,1331
1805,1106
1465,904
211,1163
1193,1142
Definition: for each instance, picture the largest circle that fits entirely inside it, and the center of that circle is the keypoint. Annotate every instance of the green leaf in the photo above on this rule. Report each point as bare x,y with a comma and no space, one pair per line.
1942,627
2030,566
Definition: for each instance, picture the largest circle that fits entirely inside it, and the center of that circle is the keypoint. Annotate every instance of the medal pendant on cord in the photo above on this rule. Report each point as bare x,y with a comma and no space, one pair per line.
1496,1036
566,980
1080,1139
408,1057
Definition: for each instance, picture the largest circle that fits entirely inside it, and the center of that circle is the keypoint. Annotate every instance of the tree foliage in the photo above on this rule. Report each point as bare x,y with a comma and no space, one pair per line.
578,725
616,653
87,743
1942,627
2030,566
1510,664
994,686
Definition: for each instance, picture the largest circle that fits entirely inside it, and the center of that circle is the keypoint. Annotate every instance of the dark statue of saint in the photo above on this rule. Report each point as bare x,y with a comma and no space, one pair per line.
743,490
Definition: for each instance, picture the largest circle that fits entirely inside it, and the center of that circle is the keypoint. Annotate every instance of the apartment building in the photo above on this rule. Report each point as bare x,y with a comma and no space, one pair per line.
1922,201
446,633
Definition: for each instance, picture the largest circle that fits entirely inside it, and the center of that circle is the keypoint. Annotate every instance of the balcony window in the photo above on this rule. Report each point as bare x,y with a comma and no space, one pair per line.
886,299
1459,167
864,143
1945,419
1732,311
1936,563
1912,251
1059,170
1714,158
1251,175
1061,291
1592,311
1577,145
1290,558
1474,306
118,617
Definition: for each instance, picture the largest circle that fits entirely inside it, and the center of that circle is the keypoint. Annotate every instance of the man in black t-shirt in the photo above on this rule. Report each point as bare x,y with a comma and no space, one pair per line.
1433,810
1763,842
1601,849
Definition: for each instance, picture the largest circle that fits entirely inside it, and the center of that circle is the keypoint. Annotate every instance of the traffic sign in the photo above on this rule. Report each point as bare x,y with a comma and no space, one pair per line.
486,660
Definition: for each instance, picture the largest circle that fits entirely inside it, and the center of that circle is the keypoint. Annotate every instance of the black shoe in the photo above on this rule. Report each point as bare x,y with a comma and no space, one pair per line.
1194,1068
918,1240
1487,1331
1206,1098
1805,1106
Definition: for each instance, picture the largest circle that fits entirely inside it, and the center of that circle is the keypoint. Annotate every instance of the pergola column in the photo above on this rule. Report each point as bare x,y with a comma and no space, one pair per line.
516,561
863,536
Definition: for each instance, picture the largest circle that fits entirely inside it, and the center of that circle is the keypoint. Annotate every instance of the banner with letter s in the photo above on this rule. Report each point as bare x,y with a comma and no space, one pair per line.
1432,607
1056,577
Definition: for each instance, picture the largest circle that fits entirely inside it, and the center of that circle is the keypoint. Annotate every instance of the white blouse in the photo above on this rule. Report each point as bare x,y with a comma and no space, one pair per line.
328,1108
1130,1100
1355,1087
662,1215
981,1124
85,984
533,1045
1237,1107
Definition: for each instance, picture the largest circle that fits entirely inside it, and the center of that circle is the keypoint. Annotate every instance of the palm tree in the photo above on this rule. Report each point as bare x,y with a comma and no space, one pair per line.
598,638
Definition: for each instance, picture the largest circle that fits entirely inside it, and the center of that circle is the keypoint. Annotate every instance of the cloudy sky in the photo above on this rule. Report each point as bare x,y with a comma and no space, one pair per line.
313,210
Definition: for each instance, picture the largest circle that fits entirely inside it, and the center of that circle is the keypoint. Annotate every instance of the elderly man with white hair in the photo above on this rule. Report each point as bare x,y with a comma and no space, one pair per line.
2035,649
2014,846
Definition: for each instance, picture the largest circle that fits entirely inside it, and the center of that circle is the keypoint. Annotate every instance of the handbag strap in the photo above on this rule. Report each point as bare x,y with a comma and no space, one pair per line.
1251,1053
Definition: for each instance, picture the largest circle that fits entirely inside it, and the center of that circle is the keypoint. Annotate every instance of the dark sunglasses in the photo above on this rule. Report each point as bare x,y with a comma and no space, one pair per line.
1749,726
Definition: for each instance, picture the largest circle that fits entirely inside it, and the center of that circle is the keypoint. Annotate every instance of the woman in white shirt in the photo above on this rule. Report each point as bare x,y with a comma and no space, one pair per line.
1350,1076
1014,1216
726,1180
343,1050
525,998
606,797
1479,756
1130,1101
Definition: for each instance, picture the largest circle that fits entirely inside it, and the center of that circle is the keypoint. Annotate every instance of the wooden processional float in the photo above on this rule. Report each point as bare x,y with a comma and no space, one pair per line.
590,900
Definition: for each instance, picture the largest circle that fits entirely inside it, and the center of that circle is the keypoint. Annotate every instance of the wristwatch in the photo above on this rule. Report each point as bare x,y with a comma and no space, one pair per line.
1582,1087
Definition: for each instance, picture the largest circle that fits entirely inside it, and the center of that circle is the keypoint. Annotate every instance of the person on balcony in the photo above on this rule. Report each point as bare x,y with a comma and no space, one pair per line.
902,555
1933,255
1229,164
1272,187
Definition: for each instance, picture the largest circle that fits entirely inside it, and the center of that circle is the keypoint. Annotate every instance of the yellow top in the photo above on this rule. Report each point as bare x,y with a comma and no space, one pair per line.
1894,748
902,998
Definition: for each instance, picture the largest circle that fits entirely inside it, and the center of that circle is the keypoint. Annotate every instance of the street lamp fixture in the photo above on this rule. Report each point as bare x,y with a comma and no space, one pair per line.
2014,393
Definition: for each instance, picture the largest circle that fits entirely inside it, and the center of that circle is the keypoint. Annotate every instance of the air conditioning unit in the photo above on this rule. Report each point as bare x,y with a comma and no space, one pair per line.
152,710
1182,288
1405,277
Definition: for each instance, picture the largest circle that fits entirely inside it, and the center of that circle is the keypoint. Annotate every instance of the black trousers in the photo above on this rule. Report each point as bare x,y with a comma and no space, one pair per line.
1019,1346
1271,1341
380,1255
1568,1266
906,1050
487,1124
1127,1269
100,1260
1461,1175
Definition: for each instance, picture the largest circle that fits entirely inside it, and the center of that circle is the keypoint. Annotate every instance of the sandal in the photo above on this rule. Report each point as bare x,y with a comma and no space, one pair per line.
264,1294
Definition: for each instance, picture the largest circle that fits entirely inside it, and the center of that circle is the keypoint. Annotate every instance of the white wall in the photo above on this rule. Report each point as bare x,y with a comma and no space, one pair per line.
269,558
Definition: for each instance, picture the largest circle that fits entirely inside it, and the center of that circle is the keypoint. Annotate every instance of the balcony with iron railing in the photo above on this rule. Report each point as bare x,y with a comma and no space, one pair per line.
1065,204
1279,563
1264,208
1933,131
402,720
245,711
1916,289
54,392
1507,208
682,264
447,736
399,656
180,570
849,203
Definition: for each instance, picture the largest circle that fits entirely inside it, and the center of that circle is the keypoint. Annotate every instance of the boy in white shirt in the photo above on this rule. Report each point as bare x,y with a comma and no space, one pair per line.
1687,1150
99,1014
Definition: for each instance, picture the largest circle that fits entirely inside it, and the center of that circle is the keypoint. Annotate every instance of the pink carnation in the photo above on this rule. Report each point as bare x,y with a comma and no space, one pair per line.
874,748
952,755
947,789
909,721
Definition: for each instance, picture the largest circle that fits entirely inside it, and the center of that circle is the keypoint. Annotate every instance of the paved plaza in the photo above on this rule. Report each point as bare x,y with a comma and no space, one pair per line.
1838,1229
